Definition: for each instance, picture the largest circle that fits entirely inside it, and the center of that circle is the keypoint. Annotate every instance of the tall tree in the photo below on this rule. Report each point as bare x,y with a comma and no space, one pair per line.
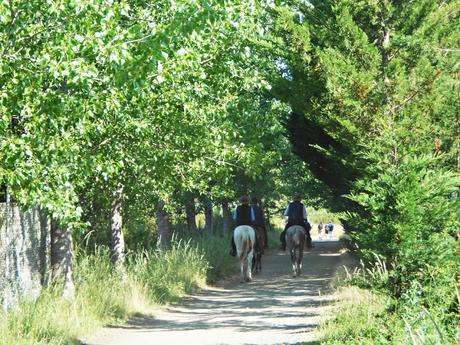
371,85
209,217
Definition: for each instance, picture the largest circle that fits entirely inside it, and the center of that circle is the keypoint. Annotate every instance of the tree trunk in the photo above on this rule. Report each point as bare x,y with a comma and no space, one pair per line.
267,217
227,218
116,234
208,216
163,225
62,258
190,213
7,195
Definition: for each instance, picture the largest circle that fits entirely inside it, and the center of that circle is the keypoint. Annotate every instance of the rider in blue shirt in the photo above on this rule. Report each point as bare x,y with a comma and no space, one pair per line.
330,227
296,214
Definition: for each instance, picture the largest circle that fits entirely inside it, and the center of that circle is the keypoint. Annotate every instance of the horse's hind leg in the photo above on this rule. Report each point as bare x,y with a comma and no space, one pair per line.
258,257
293,262
249,266
246,271
299,262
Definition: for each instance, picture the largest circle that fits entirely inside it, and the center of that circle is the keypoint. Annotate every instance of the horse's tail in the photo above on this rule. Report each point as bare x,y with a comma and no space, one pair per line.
240,241
295,236
245,245
299,238
243,241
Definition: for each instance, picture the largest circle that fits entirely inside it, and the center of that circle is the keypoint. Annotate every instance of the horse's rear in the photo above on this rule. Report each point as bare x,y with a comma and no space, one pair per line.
295,241
245,238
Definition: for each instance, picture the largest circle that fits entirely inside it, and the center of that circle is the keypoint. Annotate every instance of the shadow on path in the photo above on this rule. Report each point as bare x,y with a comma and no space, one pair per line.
274,308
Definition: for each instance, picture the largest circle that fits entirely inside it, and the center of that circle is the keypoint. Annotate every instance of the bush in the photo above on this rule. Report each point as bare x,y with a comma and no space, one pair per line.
412,227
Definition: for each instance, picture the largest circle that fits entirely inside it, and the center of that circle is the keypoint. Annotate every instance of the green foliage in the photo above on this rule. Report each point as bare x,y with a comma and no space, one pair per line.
373,87
156,97
322,215
173,98
356,71
414,212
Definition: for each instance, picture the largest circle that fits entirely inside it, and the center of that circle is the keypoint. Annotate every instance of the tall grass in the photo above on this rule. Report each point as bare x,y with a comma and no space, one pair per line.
216,251
170,274
366,314
361,317
103,296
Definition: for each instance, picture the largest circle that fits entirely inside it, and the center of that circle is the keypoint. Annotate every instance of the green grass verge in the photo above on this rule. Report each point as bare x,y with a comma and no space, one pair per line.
361,316
357,319
106,297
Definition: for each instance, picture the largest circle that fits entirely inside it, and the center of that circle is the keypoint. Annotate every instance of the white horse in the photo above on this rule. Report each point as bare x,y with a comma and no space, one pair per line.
295,241
245,238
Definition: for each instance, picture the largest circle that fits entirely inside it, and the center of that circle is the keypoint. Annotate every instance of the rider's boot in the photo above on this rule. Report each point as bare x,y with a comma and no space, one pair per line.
309,241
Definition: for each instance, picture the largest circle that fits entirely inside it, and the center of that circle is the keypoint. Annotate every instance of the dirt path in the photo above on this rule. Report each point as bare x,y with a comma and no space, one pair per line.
273,309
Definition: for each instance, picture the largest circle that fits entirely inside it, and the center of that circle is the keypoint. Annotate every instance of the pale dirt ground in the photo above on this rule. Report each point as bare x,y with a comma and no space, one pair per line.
273,309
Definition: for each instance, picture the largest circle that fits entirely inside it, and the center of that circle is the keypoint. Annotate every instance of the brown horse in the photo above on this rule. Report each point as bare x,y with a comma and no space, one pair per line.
258,249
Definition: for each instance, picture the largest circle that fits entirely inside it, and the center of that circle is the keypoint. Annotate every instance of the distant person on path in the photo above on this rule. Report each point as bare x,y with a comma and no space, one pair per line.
243,215
296,214
330,228
320,228
259,219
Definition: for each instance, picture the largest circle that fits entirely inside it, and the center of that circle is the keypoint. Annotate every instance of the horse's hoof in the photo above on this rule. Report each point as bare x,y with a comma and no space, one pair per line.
248,280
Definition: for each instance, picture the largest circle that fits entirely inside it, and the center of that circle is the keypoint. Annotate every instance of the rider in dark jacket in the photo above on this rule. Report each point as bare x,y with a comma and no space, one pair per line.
296,214
243,215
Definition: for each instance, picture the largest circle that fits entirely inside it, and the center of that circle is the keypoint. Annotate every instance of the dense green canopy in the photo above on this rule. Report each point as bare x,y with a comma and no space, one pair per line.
352,103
